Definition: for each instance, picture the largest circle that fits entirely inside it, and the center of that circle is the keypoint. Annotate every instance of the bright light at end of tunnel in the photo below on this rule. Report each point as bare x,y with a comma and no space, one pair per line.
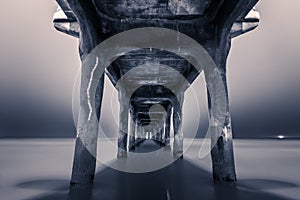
280,137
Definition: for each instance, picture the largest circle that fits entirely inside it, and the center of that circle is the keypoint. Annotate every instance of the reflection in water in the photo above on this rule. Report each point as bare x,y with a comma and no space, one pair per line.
182,180
84,193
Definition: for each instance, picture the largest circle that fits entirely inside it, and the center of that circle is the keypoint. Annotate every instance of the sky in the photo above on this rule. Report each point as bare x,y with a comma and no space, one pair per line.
38,68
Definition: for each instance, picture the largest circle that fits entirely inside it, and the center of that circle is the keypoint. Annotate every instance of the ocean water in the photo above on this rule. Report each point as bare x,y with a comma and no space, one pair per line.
40,169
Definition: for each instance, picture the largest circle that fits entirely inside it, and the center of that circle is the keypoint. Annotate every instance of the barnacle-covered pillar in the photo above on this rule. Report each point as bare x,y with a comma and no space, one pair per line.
241,18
